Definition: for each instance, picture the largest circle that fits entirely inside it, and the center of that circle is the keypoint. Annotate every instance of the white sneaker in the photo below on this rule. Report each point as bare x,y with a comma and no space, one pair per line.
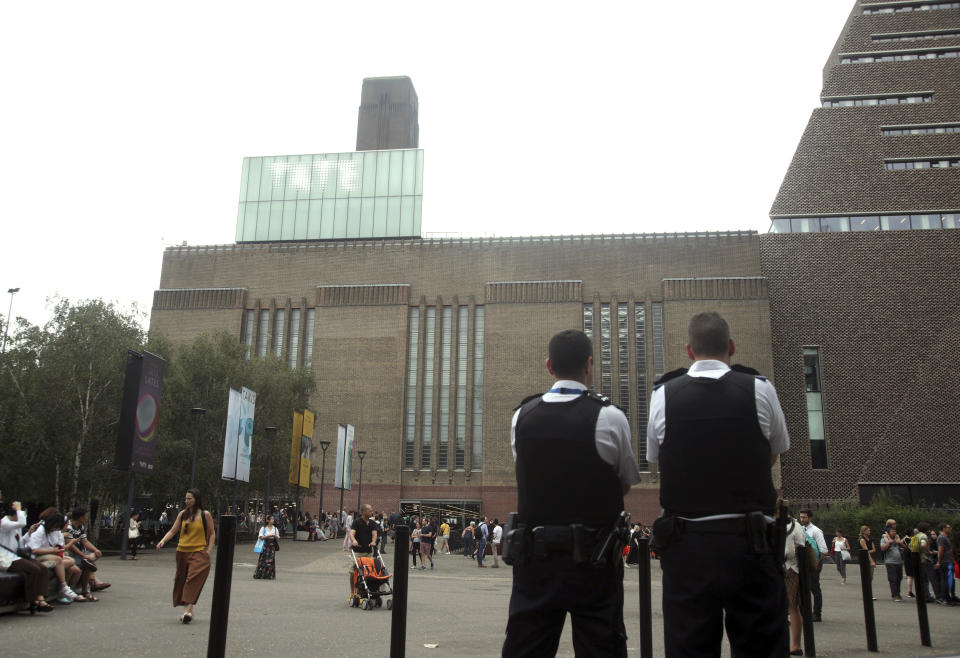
67,592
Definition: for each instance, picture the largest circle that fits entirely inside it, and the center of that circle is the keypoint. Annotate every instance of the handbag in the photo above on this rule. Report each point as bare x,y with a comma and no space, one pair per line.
21,552
258,547
845,555
133,532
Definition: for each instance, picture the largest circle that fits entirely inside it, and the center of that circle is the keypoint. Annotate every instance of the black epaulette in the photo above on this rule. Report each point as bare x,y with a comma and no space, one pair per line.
599,397
528,399
667,376
747,370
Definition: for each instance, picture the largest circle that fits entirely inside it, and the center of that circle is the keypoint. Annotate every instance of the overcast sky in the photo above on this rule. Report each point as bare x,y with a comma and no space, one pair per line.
124,124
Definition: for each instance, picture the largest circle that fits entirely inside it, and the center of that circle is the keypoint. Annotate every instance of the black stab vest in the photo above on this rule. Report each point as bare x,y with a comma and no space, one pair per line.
561,478
714,458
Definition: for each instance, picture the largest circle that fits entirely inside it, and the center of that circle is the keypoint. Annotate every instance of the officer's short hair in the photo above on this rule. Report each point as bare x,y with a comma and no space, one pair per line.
709,334
569,351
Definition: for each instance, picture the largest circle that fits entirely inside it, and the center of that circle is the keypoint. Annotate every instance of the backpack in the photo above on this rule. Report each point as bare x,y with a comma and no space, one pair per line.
814,552
915,543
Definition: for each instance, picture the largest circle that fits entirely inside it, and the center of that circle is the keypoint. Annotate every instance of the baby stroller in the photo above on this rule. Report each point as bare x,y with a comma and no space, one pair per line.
372,581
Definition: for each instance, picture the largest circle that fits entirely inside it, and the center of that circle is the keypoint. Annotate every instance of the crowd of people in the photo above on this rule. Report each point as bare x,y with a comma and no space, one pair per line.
57,545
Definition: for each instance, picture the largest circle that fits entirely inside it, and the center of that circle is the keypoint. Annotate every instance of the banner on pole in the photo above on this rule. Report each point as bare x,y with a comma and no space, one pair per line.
344,474
238,442
306,448
140,413
294,476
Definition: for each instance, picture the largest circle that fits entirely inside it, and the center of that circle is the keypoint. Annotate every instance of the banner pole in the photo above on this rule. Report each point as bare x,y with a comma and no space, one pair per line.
129,510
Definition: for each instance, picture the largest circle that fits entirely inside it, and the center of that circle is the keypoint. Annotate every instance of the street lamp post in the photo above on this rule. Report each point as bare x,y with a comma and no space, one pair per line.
197,413
6,329
361,454
271,432
323,468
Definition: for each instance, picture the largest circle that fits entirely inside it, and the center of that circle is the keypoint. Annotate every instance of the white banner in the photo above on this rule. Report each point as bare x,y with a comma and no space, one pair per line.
344,473
238,442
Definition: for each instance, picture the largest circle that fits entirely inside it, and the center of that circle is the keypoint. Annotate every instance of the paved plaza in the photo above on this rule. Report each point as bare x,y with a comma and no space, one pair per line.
458,607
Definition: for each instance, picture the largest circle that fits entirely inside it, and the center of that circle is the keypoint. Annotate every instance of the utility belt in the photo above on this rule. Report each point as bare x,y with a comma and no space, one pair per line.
761,534
585,545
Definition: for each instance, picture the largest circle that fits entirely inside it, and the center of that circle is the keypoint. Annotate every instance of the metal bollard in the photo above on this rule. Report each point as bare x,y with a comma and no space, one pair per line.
646,610
219,611
920,585
401,574
866,585
809,643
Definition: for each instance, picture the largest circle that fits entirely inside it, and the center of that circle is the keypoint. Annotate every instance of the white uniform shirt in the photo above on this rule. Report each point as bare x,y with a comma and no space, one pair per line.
612,434
769,413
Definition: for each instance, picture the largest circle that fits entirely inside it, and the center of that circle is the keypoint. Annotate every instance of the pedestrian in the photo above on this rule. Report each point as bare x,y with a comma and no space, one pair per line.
815,533
867,544
841,553
467,537
943,565
363,541
893,549
427,533
267,542
716,431
444,544
795,537
496,538
197,534
574,464
415,543
133,533
482,535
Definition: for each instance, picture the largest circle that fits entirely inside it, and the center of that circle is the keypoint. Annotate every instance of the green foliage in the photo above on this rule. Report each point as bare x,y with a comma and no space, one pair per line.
851,516
60,393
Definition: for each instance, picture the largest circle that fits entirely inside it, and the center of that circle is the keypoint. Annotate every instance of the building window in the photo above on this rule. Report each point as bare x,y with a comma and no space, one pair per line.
426,436
308,338
606,350
834,224
446,327
940,163
917,36
248,320
657,339
895,222
950,220
262,338
294,352
476,462
279,323
462,337
640,339
917,6
873,58
901,222
865,101
410,429
811,375
926,129
588,321
623,357
868,223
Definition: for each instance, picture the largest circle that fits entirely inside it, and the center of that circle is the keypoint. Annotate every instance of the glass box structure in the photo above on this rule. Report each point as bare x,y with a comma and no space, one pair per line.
331,196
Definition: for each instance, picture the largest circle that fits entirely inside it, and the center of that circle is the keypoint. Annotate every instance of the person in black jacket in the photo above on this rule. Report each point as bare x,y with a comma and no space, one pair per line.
574,464
716,432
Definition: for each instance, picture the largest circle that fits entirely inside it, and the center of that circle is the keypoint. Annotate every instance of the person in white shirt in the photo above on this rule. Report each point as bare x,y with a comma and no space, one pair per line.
47,545
806,519
794,539
267,540
497,536
35,574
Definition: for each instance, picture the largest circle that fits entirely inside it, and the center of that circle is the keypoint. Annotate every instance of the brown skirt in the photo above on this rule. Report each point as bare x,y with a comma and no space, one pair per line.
793,588
192,571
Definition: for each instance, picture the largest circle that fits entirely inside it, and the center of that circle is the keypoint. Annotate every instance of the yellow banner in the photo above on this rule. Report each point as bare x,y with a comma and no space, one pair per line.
306,448
294,477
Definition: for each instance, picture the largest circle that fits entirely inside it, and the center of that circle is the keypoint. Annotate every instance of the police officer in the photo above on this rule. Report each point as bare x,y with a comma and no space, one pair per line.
574,464
716,433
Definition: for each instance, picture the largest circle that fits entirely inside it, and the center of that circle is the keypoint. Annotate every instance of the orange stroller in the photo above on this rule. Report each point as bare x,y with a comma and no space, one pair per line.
372,582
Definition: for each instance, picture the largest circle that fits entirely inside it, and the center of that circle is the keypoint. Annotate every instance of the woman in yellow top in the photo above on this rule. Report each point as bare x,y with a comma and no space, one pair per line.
193,552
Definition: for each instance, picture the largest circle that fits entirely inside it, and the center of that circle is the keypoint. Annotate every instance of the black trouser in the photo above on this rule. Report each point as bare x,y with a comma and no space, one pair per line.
816,591
545,590
36,577
712,580
894,577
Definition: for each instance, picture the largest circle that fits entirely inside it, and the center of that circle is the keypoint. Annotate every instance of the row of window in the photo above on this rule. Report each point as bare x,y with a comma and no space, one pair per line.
918,6
944,163
269,336
633,404
423,387
931,129
916,36
899,57
866,223
878,100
